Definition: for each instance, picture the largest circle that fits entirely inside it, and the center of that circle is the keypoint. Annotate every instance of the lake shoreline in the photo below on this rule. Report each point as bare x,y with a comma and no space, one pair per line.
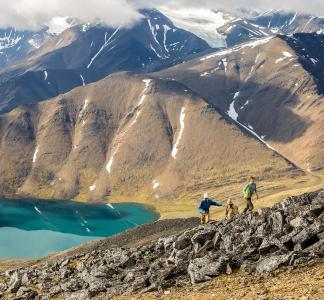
33,228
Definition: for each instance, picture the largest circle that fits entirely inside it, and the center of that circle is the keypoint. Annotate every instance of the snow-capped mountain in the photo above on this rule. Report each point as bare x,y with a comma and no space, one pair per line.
240,31
86,53
221,29
289,23
202,22
17,45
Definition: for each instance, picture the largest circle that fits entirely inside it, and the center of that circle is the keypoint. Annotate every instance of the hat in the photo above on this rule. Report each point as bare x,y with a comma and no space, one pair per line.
206,195
229,201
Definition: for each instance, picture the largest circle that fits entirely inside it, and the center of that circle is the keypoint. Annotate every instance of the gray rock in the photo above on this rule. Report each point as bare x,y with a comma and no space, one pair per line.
207,233
272,263
79,295
297,222
205,268
25,293
15,282
182,242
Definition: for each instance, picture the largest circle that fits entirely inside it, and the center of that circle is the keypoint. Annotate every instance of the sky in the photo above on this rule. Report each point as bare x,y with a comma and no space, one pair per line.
33,14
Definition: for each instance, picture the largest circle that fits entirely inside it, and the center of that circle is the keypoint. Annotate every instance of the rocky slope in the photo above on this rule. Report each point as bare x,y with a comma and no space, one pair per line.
286,235
271,88
126,137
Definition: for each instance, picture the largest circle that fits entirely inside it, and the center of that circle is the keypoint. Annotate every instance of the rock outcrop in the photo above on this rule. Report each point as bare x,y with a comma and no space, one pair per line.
287,234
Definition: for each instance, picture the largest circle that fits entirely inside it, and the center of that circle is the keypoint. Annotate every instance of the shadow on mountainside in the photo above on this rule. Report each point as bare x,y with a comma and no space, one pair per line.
265,109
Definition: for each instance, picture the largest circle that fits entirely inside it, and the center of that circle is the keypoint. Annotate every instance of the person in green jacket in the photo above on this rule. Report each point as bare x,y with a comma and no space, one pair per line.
249,190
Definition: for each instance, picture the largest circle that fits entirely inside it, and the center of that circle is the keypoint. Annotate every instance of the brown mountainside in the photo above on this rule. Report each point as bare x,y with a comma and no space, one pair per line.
264,88
127,137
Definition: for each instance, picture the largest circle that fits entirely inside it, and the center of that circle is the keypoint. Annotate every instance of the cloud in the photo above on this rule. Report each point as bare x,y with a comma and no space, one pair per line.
33,14
315,7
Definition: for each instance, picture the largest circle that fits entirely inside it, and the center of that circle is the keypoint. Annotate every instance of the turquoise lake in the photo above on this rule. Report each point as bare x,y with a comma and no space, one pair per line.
34,229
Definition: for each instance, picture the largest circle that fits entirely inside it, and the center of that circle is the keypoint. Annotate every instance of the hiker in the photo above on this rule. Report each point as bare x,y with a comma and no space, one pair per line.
204,206
249,190
231,209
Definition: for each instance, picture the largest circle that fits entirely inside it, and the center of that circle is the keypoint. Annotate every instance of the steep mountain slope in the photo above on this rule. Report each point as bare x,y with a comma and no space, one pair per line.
126,137
264,88
310,50
241,30
18,45
88,53
289,23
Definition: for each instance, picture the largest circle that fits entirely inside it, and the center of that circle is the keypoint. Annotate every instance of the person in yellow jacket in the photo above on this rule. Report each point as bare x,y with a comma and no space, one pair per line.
231,209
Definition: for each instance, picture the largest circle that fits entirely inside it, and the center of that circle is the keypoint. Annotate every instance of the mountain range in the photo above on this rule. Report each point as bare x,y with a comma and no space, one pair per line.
177,103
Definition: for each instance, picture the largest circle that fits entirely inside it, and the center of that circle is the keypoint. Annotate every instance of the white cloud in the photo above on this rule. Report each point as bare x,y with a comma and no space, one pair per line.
32,14
315,7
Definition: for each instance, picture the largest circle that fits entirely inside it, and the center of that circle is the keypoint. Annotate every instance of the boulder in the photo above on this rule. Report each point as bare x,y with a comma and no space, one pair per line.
15,282
25,293
272,263
205,268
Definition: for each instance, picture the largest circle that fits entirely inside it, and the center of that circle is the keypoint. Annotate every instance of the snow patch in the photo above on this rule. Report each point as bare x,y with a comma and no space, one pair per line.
109,165
156,184
154,50
293,19
166,29
314,61
92,187
182,124
309,170
82,79
225,63
34,43
154,34
251,44
120,137
286,55
85,27
85,105
202,22
35,154
245,104
106,43
232,112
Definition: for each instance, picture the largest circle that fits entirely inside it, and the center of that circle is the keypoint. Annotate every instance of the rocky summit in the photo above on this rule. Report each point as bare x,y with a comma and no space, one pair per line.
288,234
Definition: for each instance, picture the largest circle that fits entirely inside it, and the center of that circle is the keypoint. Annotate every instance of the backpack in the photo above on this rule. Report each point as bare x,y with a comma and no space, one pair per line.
248,191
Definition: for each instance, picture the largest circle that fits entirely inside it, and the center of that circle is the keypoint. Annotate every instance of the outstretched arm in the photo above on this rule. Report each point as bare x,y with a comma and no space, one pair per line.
216,203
